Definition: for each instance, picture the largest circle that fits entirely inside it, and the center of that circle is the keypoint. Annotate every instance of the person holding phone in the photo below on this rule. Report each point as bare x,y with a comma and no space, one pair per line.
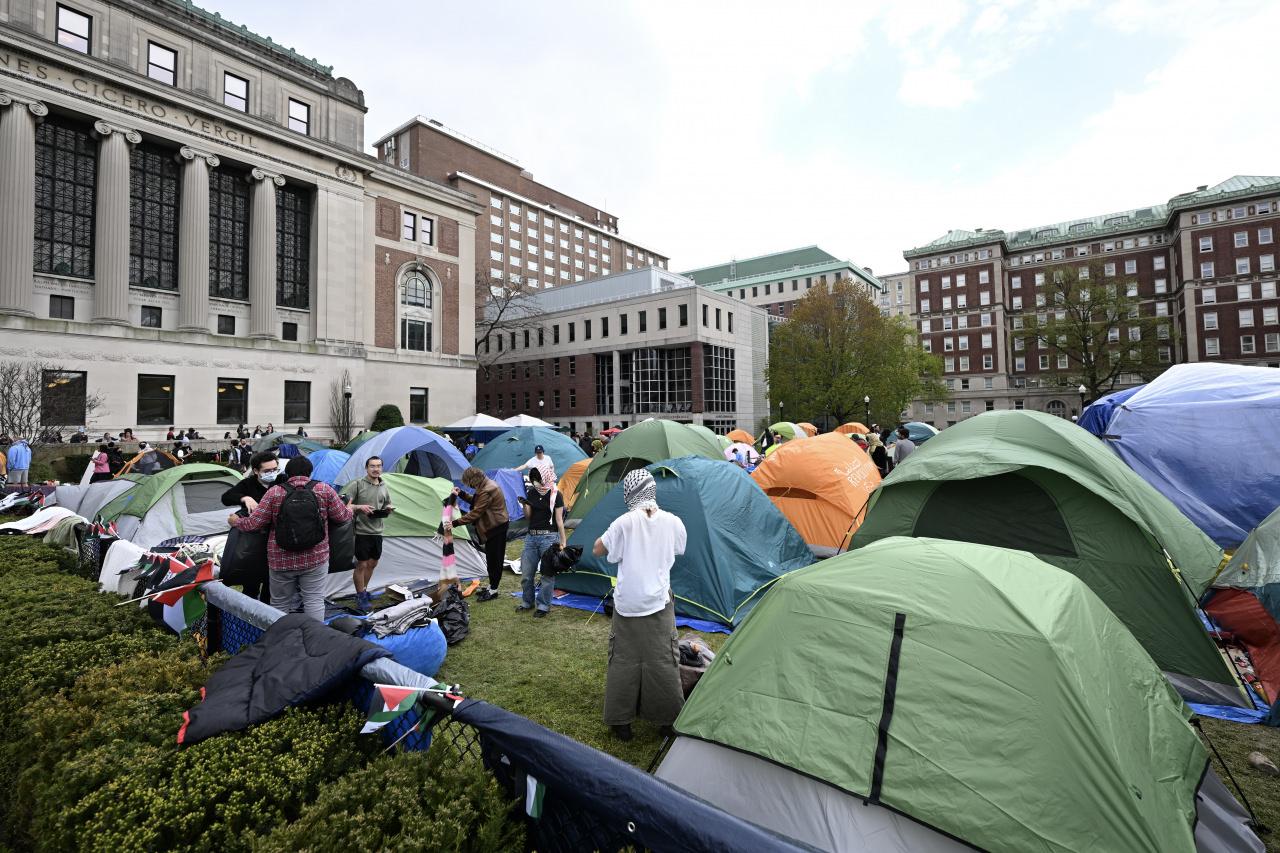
371,503
543,505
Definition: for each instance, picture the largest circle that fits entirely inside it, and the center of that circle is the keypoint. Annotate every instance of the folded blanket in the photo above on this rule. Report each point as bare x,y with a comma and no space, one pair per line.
401,617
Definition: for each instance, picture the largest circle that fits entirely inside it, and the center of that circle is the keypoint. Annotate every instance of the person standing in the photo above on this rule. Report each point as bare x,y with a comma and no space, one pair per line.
644,666
246,495
298,513
879,458
540,461
371,503
903,448
544,507
19,458
101,465
489,515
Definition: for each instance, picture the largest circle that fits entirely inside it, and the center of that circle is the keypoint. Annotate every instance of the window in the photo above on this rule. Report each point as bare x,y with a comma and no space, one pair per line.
1211,346
1242,266
74,29
963,341
946,282
946,303
1244,291
228,234
293,247
1246,317
1162,309
1130,266
409,228
1266,263
984,277
153,218
151,317
643,316
1015,282
1113,335
1158,262
297,402
1209,320
573,365
662,318
573,335
1020,364
948,344
964,362
162,63
986,341
226,324
1107,270
1264,236
684,316
1270,316
1016,304
1206,269
299,117
155,400
966,407
62,308
1247,346
235,92
1044,362
288,331
1241,239
1268,290
924,306
1131,289
413,335
586,330
417,292
1135,333
948,365
1273,341
418,411
66,169
1206,244
233,401
1209,296
729,319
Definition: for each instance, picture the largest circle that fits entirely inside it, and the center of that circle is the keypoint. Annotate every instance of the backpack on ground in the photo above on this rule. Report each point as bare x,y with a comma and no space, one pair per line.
300,524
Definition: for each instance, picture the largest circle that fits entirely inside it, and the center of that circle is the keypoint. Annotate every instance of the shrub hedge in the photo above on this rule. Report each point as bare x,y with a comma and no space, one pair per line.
387,417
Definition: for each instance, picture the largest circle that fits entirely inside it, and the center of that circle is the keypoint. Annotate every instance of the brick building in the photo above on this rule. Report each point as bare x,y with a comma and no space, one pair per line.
644,343
777,281
1205,260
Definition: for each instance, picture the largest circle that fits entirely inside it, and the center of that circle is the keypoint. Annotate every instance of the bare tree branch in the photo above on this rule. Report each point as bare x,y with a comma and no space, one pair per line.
509,305
39,400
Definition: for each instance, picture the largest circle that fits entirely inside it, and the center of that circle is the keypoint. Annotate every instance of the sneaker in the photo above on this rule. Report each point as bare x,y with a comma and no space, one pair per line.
364,602
621,732
538,614
487,595
522,607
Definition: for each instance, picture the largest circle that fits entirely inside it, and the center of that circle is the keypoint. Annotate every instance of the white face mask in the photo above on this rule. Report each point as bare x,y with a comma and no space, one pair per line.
269,477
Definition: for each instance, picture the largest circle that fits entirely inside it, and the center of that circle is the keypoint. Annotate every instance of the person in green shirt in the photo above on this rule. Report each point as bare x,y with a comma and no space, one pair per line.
370,502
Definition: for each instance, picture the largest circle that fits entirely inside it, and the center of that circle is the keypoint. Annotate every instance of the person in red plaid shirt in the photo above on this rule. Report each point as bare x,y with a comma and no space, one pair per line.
296,574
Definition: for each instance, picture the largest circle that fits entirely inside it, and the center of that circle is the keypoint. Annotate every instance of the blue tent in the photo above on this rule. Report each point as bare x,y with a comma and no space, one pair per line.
1172,433
1097,414
325,465
429,455
515,447
738,541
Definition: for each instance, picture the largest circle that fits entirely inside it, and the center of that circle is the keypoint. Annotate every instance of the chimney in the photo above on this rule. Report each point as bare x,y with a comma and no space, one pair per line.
868,270
1202,188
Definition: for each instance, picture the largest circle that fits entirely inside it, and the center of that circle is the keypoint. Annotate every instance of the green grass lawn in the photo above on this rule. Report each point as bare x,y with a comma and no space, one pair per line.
1235,741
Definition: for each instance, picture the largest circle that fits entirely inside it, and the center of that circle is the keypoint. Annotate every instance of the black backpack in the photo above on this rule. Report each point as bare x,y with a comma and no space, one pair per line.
299,524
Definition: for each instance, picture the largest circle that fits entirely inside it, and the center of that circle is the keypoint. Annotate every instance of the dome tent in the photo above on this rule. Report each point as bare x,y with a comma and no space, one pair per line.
325,465
737,542
1097,414
515,447
272,440
1027,480
635,447
788,430
148,462
182,501
918,432
741,435
428,454
354,444
930,695
852,428
570,479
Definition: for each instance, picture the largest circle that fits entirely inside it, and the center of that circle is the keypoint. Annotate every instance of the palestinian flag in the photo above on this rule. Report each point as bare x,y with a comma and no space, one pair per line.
534,793
180,615
184,581
389,702
179,603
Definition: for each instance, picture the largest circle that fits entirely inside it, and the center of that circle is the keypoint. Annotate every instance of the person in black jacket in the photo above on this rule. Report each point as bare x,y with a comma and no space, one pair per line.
263,470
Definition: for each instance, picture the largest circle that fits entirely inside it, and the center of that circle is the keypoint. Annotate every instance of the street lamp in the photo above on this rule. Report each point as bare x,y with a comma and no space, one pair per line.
866,401
1082,391
346,404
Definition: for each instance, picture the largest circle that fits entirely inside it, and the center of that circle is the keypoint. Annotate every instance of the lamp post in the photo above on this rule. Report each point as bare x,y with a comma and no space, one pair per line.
866,401
541,403
346,405
1082,391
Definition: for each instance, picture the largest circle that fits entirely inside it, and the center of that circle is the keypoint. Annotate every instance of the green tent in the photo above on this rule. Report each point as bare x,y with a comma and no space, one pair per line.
185,500
1027,480
635,447
738,543
360,439
974,690
788,430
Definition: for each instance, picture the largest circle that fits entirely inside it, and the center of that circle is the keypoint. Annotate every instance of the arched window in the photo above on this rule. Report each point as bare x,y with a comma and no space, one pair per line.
1057,408
416,292
416,316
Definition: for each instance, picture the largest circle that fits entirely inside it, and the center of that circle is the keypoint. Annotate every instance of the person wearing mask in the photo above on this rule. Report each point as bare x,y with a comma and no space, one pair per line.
879,457
903,448
540,461
296,575
644,666
543,506
489,515
264,469
371,503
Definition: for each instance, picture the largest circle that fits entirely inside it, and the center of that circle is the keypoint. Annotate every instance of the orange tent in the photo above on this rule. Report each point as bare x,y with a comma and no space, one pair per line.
821,486
568,482
741,435
149,461
810,429
851,428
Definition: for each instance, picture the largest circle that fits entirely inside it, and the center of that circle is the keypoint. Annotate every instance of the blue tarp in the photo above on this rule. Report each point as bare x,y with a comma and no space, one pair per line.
592,604
326,464
1098,414
1206,436
515,447
429,455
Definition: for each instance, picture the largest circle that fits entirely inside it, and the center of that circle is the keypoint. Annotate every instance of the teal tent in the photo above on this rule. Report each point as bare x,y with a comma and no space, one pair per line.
738,542
515,447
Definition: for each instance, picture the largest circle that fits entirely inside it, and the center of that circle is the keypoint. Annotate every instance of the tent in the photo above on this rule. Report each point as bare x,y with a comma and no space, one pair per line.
149,461
809,429
272,440
852,428
515,447
788,430
741,435
325,465
926,695
821,486
89,499
1097,414
360,439
738,543
571,478
704,431
182,501
1027,480
1170,431
411,548
635,447
916,431
749,454
429,455
526,421
482,427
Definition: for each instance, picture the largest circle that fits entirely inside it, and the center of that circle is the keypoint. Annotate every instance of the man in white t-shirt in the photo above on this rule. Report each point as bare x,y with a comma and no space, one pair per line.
542,462
644,666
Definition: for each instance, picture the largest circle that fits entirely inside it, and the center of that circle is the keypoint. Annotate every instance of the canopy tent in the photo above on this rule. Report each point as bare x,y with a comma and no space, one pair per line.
927,695
515,447
852,428
1097,414
482,427
182,501
272,440
635,447
809,429
428,455
411,546
571,479
325,465
149,461
1027,480
918,432
1161,433
527,421
741,435
821,486
737,542
788,430
360,439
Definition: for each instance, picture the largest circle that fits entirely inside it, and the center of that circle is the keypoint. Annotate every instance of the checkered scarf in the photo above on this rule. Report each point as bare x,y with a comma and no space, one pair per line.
639,490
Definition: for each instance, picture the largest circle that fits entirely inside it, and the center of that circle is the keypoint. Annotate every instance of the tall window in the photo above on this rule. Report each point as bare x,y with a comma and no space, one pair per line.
153,218
155,399
718,379
418,405
162,63
300,117
604,383
233,401
62,400
415,335
297,402
235,92
293,246
74,29
66,169
417,292
228,235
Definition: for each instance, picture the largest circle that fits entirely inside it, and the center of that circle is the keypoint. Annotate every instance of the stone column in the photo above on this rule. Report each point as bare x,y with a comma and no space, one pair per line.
193,240
17,200
262,254
111,224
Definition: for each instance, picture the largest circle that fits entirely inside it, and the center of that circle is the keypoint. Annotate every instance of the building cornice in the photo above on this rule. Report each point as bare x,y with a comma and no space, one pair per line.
803,269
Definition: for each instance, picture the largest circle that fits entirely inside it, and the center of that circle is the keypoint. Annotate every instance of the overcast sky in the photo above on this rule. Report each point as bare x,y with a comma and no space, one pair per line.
721,130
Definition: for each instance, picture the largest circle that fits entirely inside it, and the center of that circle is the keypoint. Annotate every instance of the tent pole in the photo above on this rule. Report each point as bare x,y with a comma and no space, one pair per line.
1253,818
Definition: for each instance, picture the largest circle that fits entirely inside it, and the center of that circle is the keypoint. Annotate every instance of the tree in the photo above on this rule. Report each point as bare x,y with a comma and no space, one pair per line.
507,305
387,417
836,349
39,398
340,416
1096,324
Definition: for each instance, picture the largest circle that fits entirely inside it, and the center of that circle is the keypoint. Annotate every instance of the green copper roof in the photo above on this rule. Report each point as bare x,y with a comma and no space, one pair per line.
804,271
244,32
957,239
1232,187
763,265
1091,226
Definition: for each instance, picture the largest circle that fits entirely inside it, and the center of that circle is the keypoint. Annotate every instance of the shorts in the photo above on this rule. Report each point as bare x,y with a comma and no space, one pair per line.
368,546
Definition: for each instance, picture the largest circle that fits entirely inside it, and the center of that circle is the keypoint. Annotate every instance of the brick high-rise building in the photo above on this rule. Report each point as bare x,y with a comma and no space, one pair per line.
1205,260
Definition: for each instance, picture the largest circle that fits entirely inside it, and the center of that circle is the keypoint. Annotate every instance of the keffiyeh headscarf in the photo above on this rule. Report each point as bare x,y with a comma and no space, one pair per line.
545,478
639,490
